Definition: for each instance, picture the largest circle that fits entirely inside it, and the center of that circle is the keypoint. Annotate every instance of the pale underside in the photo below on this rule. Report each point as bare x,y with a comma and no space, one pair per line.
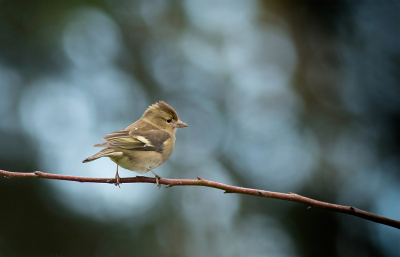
127,161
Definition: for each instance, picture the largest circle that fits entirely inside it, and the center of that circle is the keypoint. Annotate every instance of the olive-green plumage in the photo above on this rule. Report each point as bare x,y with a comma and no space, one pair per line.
145,144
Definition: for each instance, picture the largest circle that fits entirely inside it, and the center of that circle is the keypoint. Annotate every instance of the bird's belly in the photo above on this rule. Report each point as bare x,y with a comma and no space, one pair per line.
139,162
126,163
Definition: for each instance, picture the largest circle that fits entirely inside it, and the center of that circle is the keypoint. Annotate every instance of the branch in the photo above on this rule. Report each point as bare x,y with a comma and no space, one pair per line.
228,189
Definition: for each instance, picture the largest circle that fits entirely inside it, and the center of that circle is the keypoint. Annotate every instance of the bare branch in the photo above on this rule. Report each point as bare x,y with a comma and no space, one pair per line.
311,203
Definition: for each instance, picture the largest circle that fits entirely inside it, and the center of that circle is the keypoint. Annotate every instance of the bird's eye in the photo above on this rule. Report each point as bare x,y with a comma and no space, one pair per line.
168,120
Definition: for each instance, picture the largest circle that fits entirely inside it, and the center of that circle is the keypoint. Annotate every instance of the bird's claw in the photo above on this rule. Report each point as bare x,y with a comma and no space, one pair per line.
158,181
157,178
117,183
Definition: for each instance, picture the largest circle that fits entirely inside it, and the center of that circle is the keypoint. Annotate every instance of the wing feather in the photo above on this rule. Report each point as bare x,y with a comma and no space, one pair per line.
151,140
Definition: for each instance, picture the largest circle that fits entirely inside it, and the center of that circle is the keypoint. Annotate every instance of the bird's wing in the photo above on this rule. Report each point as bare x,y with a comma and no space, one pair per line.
151,140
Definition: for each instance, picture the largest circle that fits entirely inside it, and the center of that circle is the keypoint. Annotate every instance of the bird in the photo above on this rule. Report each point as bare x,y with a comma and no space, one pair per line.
145,144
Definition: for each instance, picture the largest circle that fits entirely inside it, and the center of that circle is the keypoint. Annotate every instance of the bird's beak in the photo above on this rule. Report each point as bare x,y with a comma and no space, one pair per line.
180,124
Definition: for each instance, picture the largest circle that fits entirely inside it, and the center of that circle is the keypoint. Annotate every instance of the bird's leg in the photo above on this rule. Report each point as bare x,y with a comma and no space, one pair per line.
117,178
157,178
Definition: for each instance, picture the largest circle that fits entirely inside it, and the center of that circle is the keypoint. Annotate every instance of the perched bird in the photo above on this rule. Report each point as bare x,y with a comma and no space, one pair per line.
145,144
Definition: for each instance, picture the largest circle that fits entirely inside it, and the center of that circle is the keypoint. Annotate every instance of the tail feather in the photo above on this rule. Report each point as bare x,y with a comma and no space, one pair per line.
104,144
102,153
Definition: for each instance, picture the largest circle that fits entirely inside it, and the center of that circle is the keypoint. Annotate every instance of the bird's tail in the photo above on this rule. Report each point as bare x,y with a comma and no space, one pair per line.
102,153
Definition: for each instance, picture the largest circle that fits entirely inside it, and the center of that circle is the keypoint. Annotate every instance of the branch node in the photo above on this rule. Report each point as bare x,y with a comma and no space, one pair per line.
352,208
228,192
38,173
199,178
309,207
260,193
169,185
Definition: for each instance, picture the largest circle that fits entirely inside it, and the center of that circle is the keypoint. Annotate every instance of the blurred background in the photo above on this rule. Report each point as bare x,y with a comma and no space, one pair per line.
287,96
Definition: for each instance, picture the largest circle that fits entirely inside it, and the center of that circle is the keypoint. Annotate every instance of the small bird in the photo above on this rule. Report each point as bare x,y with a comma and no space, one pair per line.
145,144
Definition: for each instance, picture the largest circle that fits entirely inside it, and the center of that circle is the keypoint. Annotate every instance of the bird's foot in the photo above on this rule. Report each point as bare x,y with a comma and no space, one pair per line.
158,181
157,178
117,183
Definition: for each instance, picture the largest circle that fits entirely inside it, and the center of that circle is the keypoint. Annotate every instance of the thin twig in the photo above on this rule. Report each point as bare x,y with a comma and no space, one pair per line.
311,203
